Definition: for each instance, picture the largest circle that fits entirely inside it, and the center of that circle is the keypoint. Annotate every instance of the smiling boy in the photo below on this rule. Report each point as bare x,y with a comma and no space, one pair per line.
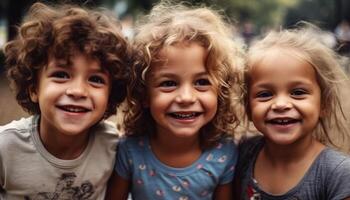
69,66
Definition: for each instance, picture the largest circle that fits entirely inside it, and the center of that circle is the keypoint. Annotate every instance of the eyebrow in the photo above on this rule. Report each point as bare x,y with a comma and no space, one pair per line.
169,74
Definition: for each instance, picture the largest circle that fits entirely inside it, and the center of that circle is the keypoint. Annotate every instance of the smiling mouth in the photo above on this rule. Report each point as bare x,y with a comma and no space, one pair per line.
185,115
284,121
74,109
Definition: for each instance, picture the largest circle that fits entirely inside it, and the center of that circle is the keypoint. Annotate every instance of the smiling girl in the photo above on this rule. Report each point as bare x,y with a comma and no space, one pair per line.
182,109
292,98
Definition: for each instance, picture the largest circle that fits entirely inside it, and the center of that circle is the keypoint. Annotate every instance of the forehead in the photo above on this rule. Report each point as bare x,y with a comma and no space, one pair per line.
76,60
181,57
281,65
183,51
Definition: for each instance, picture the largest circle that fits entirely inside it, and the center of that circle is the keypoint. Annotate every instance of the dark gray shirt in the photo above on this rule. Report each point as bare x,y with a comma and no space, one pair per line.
328,178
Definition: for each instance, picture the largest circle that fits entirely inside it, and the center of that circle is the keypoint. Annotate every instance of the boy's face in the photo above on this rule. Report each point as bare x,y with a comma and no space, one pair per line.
71,98
181,97
284,97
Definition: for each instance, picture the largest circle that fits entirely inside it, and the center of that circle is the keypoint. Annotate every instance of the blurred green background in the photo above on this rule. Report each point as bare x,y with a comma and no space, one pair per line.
250,18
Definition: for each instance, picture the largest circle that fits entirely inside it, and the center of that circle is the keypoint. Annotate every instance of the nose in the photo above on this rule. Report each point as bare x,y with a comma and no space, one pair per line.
281,103
77,89
186,95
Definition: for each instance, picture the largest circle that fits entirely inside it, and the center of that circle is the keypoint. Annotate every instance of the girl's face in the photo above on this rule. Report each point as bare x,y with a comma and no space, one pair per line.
181,97
284,97
71,98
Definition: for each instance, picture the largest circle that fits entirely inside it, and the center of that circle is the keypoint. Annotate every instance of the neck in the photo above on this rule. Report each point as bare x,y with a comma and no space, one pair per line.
308,148
176,152
66,147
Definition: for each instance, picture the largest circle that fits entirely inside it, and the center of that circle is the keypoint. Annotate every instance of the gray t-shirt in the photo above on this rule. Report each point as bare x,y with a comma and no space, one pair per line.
29,172
328,178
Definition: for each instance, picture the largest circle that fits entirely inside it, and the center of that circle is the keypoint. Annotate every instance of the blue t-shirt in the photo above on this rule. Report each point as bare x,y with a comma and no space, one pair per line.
151,179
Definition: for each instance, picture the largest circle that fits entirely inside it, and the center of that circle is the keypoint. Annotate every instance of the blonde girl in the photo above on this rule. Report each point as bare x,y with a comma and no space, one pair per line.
183,105
293,99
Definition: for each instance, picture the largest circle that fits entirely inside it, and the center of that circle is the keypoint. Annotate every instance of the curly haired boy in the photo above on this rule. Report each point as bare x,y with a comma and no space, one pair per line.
69,68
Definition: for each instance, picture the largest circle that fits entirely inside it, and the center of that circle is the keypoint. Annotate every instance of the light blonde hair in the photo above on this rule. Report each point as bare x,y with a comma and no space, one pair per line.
305,43
169,25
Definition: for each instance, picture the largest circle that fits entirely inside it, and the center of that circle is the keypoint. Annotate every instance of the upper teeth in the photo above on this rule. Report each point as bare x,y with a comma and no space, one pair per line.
184,115
282,120
74,109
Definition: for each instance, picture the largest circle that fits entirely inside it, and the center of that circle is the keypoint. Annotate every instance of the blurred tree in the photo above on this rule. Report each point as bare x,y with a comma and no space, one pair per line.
326,14
263,13
15,9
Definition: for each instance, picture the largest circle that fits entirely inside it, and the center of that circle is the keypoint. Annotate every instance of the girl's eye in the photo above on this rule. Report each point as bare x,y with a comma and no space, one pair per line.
298,93
167,84
60,75
202,82
97,80
264,95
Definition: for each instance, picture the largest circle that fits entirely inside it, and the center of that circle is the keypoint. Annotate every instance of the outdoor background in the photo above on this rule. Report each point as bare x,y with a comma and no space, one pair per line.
250,19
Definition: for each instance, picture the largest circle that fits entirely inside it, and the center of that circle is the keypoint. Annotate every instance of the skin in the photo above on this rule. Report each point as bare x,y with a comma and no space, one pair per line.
72,99
181,100
285,104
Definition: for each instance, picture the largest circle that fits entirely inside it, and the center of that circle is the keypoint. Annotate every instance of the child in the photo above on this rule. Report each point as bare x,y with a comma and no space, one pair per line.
69,68
182,109
292,99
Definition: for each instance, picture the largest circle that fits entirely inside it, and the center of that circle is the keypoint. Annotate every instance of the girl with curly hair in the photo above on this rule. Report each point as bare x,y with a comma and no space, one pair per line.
183,108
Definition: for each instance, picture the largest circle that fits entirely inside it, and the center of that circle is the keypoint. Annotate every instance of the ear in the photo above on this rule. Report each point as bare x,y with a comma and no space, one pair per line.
33,94
323,112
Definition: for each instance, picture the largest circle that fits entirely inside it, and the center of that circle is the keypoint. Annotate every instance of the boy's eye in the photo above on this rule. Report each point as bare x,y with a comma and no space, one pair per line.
97,80
264,95
298,93
167,84
60,75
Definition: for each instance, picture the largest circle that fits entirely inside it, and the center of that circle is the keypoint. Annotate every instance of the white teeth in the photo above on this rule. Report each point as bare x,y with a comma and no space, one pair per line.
283,121
74,109
183,115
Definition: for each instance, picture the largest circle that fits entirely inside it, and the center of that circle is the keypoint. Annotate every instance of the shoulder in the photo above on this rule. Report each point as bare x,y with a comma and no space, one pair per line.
248,148
135,143
250,145
17,125
332,168
334,160
105,134
16,130
226,144
106,129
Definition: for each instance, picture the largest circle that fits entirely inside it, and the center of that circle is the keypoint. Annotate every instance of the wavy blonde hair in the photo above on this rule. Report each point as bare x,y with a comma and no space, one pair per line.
169,25
61,32
305,43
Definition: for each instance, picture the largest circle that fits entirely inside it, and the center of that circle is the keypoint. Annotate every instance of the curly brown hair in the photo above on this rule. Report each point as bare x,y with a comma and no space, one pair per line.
60,32
169,25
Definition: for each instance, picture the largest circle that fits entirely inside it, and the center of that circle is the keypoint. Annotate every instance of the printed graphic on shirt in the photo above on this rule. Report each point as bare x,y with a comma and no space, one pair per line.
65,190
253,194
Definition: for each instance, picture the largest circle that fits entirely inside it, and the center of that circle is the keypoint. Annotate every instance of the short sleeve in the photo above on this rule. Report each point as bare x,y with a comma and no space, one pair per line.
338,183
123,161
231,152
